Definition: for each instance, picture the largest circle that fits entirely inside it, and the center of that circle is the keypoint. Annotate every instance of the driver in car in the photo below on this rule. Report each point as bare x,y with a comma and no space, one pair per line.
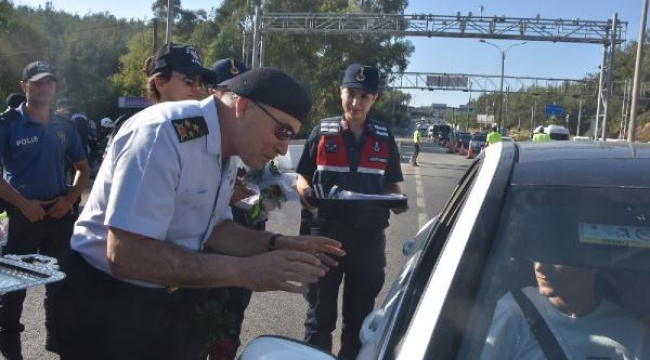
585,324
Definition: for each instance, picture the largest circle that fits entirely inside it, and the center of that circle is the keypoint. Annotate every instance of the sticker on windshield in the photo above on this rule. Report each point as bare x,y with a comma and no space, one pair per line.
631,236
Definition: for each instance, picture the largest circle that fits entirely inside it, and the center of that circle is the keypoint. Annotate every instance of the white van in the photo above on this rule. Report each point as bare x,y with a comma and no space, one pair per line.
557,132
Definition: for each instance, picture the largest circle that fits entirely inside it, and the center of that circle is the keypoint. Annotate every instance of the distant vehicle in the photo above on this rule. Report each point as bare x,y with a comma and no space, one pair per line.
557,132
464,138
582,138
477,142
439,133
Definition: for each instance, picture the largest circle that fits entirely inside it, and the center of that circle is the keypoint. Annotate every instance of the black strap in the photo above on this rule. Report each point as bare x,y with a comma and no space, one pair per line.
539,327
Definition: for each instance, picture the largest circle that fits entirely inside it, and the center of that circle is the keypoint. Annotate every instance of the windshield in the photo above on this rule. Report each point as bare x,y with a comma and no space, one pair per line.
581,256
478,137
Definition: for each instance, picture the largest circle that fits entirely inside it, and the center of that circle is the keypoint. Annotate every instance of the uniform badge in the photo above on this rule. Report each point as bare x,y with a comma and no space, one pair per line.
360,77
376,147
331,148
190,128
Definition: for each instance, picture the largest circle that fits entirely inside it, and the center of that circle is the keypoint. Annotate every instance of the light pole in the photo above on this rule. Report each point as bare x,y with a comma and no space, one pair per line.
503,65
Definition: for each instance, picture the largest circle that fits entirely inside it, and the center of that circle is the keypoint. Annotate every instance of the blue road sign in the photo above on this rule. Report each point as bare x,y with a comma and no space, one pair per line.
554,110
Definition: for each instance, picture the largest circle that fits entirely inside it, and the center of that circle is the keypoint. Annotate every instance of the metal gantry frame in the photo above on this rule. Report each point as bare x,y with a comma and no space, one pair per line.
608,33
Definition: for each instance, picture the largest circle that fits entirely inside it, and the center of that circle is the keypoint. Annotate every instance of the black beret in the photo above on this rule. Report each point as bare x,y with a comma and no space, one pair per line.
274,88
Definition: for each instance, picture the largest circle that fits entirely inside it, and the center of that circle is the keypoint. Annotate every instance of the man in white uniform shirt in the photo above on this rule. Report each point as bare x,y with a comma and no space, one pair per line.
137,267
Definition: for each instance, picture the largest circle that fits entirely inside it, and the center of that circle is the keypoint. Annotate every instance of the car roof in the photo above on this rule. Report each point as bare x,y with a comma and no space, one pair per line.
582,164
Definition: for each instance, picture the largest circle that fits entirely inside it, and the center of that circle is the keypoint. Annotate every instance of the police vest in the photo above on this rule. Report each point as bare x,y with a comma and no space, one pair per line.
333,166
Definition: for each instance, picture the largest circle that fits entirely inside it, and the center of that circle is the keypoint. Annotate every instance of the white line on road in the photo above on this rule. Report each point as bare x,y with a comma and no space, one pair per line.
423,217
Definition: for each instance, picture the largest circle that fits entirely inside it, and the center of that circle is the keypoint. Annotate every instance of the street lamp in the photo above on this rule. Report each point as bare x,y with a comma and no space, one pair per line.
503,64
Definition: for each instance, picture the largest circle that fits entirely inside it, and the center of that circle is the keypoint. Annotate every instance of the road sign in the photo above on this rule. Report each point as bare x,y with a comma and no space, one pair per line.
554,110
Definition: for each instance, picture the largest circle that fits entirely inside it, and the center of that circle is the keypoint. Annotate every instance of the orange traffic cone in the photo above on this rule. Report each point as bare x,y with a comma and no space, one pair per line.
461,152
470,153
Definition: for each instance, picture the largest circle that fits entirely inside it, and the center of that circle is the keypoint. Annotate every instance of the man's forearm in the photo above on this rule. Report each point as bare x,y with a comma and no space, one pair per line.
234,239
136,257
81,179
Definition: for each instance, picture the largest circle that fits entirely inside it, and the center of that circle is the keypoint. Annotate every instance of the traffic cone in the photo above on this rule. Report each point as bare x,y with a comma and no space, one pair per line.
470,153
461,152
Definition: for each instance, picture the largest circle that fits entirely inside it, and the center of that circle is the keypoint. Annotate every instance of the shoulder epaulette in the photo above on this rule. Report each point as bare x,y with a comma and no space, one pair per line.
330,126
190,128
9,115
378,128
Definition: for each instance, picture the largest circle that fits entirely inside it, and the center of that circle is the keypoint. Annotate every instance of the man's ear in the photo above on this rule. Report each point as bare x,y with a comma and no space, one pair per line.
241,105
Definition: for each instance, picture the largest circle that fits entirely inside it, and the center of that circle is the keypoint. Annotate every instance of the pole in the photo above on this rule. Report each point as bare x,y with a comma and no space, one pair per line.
469,104
631,132
579,117
503,65
610,70
168,36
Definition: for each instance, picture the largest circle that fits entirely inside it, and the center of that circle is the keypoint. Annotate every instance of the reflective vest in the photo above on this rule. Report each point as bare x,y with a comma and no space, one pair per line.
333,165
541,137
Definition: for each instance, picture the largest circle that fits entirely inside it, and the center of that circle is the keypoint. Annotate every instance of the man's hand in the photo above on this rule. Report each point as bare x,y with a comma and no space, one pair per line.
33,210
289,271
60,206
398,211
318,246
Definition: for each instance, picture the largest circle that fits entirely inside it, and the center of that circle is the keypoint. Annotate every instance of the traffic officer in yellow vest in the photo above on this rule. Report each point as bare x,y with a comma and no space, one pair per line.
417,139
358,154
493,137
540,135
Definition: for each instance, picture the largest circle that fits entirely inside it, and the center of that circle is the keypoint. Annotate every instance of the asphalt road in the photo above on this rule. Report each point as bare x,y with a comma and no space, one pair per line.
428,187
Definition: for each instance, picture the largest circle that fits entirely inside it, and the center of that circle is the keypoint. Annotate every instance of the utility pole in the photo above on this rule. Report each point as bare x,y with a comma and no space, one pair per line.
168,37
500,120
631,132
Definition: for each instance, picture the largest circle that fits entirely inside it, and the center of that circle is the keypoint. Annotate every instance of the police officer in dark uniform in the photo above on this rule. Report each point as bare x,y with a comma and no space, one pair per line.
358,154
34,143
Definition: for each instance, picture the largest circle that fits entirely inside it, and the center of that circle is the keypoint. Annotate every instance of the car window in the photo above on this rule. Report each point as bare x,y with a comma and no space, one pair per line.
582,257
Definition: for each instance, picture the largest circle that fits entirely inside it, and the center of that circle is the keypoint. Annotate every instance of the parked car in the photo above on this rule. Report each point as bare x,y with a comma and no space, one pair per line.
476,142
570,206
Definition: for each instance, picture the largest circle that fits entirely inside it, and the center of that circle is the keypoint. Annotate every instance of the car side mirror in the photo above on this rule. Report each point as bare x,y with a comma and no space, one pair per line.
273,347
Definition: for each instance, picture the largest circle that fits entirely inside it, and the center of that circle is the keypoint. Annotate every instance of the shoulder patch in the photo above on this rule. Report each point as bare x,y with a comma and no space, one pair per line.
378,128
190,128
330,126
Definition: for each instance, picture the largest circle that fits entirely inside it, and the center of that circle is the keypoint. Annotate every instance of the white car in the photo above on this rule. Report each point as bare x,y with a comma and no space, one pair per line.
462,293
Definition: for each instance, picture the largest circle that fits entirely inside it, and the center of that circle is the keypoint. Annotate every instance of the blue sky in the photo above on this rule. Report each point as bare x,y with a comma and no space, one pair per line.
534,59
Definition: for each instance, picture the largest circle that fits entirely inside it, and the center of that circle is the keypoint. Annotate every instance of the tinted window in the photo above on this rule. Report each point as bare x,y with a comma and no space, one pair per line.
478,137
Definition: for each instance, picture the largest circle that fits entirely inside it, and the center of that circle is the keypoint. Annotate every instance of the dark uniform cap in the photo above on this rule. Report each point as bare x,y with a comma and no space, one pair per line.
227,68
272,87
363,77
38,70
14,100
182,58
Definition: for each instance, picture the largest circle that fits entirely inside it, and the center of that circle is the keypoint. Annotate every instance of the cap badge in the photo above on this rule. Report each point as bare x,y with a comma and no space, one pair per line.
360,77
233,69
377,147
195,57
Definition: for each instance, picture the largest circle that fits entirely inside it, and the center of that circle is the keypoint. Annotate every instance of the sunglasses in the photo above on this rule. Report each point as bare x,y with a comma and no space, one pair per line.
191,82
283,132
